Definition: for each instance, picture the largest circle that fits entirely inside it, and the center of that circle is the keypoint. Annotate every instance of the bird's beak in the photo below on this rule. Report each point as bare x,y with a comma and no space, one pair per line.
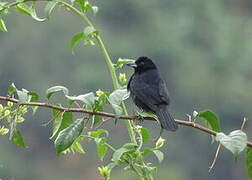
133,65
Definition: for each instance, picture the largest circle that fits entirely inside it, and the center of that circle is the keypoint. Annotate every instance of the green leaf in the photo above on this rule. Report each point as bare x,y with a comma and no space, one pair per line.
29,11
83,4
75,39
145,135
49,8
67,136
24,9
56,89
61,121
248,159
76,146
159,154
57,120
23,96
11,89
121,62
101,147
100,101
98,133
34,98
67,120
130,145
212,119
118,154
97,118
116,98
15,135
17,138
235,142
147,151
88,99
3,26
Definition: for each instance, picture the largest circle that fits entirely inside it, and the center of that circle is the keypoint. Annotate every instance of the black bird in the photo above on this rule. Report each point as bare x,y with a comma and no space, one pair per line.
149,92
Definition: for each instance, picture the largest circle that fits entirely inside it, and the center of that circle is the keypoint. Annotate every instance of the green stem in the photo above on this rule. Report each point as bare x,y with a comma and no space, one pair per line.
109,64
108,61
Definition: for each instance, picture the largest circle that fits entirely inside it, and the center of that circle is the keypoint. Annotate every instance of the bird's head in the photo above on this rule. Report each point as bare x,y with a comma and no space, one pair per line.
142,64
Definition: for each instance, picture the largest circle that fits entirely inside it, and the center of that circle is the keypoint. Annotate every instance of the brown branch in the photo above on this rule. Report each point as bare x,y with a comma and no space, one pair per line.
110,115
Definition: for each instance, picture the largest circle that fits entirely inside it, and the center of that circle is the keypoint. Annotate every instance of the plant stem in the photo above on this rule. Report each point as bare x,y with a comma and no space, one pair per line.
109,65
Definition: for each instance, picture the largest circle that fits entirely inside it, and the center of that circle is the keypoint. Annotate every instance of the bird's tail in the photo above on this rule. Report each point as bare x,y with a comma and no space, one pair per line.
166,120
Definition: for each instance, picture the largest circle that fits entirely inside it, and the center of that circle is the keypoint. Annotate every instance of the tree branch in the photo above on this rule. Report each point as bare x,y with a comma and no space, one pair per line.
110,115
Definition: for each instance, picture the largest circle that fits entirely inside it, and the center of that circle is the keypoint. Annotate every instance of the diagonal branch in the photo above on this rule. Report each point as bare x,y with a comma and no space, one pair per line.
110,115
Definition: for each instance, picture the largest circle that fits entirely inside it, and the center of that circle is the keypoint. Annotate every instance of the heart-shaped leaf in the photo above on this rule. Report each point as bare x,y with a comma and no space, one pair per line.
116,98
236,141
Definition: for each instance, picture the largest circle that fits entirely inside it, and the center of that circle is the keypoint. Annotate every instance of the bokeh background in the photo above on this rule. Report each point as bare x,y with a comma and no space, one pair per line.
204,51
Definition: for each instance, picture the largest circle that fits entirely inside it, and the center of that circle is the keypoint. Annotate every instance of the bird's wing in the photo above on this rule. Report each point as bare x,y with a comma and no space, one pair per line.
149,94
163,92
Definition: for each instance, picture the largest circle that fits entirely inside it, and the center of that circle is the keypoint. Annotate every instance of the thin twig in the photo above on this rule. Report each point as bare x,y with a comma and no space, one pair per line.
105,114
104,120
215,157
243,123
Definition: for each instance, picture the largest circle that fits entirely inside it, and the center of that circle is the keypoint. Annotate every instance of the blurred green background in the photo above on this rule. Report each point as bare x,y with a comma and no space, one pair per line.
203,49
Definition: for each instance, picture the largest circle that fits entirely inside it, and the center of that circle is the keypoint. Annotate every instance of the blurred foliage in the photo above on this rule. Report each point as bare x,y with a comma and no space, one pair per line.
203,49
